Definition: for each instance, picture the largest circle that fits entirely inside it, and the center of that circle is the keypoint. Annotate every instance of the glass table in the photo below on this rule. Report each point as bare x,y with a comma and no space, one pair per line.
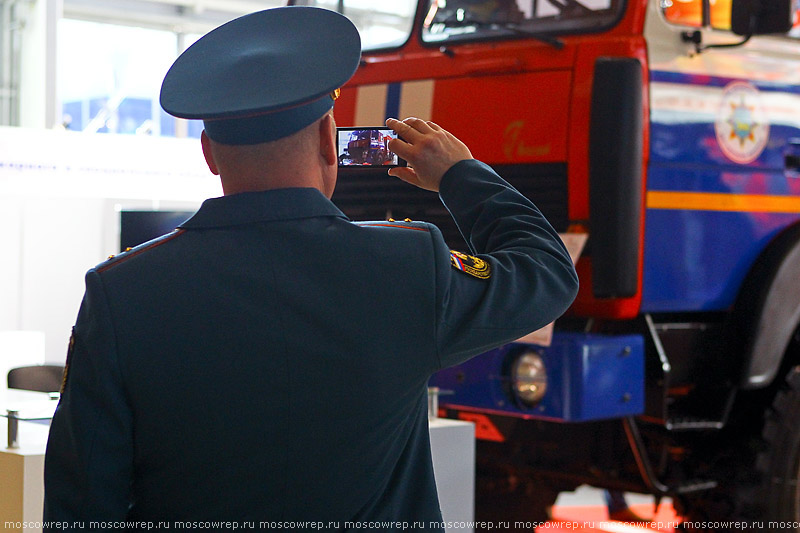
25,406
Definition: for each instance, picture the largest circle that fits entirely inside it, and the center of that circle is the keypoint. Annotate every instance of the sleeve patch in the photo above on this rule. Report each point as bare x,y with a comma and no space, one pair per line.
469,264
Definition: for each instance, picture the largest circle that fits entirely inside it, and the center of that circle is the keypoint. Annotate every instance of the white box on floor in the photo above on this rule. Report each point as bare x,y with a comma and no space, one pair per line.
453,451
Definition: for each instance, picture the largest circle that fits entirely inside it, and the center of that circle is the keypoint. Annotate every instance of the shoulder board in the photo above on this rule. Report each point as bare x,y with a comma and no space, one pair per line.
392,223
136,250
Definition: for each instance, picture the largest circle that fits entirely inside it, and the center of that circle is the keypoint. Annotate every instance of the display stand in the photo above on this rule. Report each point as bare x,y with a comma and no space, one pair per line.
453,451
23,439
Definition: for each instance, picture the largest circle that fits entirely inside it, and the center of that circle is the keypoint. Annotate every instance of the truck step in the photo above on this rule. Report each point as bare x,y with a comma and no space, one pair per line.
693,424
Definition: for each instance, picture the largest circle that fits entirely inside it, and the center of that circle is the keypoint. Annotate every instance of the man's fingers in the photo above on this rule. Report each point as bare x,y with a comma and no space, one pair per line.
400,148
402,129
429,149
418,124
410,129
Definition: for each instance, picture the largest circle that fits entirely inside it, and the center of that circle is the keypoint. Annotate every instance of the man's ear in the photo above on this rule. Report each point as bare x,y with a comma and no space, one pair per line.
208,154
327,140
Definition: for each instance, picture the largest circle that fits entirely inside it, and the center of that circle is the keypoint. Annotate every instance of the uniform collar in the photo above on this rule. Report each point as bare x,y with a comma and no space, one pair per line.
263,206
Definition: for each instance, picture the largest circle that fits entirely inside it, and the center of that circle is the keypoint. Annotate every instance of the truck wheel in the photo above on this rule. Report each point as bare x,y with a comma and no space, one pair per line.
779,463
760,476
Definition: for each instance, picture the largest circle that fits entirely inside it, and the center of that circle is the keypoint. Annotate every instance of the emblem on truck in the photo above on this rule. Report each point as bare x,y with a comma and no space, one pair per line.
741,126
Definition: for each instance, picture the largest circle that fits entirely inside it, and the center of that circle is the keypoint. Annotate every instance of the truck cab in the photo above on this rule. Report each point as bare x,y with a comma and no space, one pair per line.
661,138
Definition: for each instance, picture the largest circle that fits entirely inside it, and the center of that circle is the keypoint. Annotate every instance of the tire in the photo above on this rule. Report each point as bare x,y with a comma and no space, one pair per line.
779,463
759,475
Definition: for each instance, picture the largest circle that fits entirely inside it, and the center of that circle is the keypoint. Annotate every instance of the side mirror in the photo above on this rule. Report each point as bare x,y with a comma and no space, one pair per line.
759,17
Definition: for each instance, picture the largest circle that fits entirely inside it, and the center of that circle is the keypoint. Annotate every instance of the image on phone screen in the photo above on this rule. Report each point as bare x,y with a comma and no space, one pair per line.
366,147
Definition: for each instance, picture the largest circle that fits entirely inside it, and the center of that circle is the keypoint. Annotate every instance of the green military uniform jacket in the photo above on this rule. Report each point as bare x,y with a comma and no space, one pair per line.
268,360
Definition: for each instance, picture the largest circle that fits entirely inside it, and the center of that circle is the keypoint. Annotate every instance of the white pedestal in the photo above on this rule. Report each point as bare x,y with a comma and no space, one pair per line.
22,468
453,451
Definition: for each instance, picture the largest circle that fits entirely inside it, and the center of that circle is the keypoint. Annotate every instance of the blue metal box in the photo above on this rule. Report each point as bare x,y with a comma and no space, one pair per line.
589,377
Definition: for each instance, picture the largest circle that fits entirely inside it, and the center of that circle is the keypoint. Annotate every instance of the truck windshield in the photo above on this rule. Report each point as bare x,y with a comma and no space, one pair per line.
449,20
380,24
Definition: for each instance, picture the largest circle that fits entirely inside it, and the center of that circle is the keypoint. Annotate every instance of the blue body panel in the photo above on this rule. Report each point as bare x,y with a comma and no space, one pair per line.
589,377
696,259
724,127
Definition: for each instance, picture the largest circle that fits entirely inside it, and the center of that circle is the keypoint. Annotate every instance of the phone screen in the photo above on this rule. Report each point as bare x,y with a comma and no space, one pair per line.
366,147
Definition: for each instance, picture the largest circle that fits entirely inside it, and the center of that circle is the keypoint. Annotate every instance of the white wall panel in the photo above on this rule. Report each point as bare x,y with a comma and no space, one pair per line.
60,195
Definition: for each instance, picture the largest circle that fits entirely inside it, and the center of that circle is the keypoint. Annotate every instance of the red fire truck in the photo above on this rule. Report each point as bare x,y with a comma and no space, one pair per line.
367,147
662,138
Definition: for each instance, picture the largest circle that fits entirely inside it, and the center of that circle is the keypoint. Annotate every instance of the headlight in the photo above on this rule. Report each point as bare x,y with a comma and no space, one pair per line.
529,378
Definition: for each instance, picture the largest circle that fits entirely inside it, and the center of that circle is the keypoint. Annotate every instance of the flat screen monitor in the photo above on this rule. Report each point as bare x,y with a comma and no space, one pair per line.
137,227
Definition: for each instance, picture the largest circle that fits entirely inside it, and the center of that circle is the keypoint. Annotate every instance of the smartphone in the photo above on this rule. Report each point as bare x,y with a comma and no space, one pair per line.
367,148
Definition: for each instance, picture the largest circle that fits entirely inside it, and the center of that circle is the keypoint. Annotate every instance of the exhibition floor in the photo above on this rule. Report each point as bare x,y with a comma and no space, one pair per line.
584,511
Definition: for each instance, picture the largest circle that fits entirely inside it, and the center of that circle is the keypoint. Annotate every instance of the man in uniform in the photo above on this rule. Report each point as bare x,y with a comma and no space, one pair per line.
268,360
